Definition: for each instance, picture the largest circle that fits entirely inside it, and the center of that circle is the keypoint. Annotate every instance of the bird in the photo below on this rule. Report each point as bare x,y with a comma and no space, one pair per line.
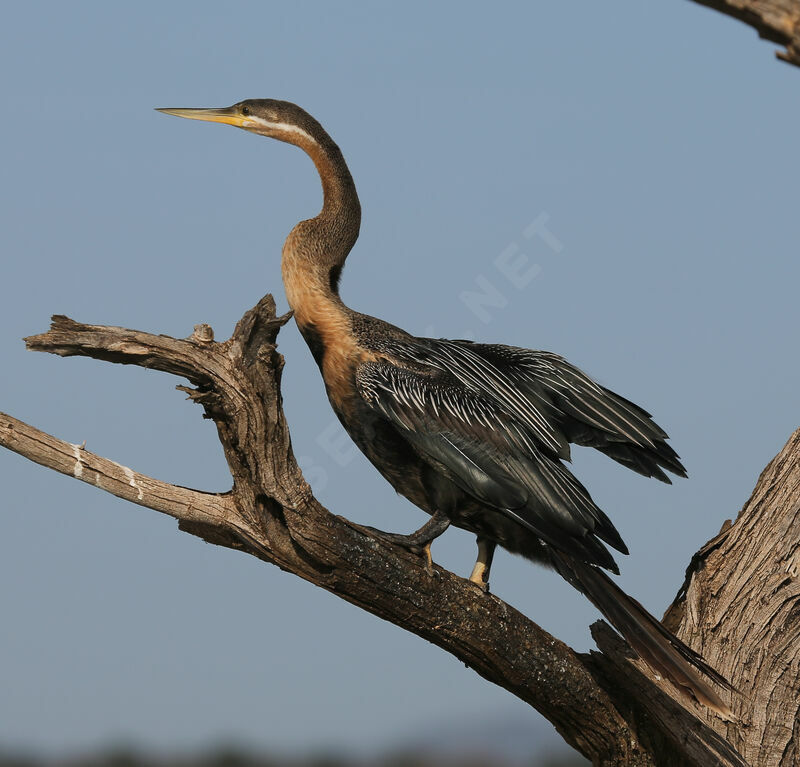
476,435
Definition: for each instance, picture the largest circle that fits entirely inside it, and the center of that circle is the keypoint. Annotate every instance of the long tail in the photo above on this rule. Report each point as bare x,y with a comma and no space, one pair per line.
657,646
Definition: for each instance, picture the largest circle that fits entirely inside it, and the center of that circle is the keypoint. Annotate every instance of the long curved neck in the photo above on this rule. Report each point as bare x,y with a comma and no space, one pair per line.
316,249
340,200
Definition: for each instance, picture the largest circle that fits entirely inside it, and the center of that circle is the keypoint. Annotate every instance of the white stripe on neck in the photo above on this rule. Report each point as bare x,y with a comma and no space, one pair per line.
256,122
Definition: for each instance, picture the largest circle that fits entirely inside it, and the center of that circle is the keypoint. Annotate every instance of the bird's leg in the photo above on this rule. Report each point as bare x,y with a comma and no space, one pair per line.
480,573
420,540
426,552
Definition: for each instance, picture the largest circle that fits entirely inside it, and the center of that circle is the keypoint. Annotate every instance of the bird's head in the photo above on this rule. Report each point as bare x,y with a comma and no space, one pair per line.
280,120
287,122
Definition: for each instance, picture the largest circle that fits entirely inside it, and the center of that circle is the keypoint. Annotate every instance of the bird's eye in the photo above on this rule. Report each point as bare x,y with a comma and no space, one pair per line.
245,110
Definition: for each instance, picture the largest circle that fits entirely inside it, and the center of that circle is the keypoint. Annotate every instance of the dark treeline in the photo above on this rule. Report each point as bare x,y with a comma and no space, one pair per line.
231,757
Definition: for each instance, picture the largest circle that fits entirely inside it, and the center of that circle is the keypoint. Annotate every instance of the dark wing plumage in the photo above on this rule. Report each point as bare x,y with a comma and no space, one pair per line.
580,409
499,419
471,429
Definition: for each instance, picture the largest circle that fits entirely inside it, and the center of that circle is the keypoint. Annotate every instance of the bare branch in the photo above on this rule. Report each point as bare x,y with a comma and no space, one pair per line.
607,706
76,461
775,20
272,514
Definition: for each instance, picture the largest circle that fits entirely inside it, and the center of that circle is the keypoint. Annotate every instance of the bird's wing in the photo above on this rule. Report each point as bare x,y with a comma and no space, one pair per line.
489,453
531,410
574,407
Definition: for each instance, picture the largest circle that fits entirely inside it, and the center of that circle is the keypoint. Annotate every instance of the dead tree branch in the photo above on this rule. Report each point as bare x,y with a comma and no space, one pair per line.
608,706
775,20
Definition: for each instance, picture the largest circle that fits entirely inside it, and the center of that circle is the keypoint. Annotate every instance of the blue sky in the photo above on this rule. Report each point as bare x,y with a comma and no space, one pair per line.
638,154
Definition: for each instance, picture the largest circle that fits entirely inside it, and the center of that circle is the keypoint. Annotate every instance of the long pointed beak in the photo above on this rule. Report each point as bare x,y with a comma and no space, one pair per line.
227,115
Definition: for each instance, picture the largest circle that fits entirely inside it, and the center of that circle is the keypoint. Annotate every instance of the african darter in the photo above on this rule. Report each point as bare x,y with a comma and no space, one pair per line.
474,434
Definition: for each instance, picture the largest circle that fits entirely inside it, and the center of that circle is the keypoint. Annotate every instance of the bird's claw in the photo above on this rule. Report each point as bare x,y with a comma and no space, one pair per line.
432,571
425,551
482,585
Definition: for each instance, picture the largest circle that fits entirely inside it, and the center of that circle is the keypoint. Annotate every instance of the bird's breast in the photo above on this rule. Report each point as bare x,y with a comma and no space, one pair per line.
337,354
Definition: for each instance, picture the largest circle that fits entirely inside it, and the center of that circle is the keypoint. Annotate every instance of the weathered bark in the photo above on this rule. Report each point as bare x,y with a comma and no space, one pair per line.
607,705
775,20
740,605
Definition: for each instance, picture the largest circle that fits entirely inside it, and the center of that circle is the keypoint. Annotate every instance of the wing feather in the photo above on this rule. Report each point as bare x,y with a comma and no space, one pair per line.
585,412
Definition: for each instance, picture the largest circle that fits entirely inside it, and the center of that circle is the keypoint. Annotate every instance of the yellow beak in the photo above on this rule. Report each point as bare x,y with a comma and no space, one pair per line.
227,115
